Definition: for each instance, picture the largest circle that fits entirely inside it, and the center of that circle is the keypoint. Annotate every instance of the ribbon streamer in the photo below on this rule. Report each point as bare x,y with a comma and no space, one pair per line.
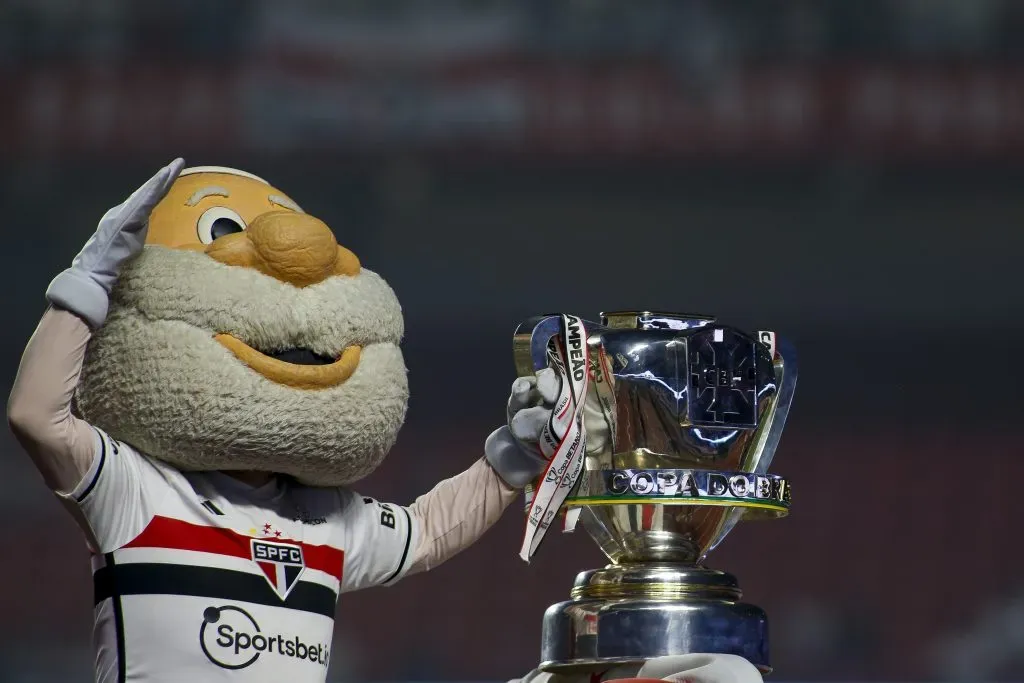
600,375
564,433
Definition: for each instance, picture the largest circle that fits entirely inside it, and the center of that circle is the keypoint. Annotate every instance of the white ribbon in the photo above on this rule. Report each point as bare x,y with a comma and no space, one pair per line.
600,375
564,434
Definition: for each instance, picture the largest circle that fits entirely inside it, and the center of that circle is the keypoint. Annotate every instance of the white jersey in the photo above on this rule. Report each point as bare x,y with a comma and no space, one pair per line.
199,577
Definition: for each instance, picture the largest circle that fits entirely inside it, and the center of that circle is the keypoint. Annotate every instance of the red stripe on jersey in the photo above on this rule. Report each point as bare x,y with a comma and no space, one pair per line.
165,532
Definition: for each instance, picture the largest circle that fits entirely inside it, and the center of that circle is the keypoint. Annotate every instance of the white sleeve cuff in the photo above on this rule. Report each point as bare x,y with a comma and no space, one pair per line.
73,290
88,481
412,538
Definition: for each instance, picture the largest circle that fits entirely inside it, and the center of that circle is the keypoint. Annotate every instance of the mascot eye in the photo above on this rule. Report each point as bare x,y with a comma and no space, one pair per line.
217,222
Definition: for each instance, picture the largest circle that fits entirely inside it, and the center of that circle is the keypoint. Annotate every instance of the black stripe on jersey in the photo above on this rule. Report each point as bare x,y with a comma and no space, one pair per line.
99,469
208,582
405,553
122,663
208,504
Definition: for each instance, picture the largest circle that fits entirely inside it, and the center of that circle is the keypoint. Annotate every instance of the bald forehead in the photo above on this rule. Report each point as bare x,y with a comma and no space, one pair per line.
215,181
226,170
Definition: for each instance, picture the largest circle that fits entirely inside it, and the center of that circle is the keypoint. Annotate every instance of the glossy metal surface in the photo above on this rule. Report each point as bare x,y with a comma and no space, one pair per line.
676,391
787,371
663,533
633,613
759,492
671,515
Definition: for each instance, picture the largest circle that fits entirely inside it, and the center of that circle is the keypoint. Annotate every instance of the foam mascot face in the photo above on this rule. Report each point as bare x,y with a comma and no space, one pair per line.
246,338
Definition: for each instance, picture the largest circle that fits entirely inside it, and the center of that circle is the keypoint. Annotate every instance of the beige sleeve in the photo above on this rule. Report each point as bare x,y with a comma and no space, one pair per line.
39,409
456,513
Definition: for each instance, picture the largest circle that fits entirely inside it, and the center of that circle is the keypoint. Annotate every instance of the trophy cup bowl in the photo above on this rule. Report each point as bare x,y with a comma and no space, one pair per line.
694,410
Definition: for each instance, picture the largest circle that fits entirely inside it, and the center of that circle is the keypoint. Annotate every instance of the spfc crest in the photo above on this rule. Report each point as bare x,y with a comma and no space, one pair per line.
281,563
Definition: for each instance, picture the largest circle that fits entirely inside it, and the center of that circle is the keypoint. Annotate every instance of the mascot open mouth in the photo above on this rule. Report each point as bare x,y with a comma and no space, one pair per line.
301,357
297,368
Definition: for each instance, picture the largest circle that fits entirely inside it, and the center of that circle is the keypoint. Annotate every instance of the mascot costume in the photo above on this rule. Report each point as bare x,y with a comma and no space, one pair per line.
213,373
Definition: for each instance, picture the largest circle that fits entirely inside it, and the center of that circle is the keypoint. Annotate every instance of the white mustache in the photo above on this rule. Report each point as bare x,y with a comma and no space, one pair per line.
265,313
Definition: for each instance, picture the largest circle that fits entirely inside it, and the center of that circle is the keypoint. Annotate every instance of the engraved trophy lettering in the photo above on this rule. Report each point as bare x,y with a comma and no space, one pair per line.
694,410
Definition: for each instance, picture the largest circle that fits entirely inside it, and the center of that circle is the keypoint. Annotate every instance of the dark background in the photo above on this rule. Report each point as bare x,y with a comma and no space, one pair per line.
847,173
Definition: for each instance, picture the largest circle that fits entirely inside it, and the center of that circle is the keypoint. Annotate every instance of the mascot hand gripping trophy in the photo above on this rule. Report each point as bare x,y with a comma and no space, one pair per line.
213,373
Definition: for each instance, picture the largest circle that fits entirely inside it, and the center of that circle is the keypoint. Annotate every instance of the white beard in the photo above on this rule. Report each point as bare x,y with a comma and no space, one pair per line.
155,378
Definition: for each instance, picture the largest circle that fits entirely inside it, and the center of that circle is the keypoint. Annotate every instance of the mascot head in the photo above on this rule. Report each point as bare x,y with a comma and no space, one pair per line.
246,338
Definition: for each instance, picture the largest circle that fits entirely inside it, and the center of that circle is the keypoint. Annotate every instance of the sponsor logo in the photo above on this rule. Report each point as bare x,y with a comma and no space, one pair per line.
281,563
311,521
209,505
231,639
304,516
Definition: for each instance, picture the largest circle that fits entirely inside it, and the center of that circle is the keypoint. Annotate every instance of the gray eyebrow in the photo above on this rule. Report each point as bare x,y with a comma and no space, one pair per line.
204,192
285,202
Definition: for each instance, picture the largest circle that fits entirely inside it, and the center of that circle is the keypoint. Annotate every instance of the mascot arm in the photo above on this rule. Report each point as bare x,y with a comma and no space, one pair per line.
106,485
39,409
106,499
385,542
394,541
456,513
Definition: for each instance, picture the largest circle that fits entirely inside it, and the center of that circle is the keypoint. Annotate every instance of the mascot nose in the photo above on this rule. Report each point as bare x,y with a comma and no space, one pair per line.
293,247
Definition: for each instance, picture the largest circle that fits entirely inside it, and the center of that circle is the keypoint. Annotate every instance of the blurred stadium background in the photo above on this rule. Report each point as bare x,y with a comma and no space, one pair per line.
848,173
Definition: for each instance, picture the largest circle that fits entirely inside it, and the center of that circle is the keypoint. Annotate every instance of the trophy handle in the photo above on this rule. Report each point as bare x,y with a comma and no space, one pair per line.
530,343
531,340
786,368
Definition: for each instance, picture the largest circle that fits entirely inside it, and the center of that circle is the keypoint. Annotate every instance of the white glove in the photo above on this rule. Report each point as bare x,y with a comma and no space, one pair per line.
692,668
529,409
84,288
516,451
701,668
513,457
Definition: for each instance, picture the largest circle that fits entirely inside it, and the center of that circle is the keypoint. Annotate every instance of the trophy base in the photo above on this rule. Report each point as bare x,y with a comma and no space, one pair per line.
629,613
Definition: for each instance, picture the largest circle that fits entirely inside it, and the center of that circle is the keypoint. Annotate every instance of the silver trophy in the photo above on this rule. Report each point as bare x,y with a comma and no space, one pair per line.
694,410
